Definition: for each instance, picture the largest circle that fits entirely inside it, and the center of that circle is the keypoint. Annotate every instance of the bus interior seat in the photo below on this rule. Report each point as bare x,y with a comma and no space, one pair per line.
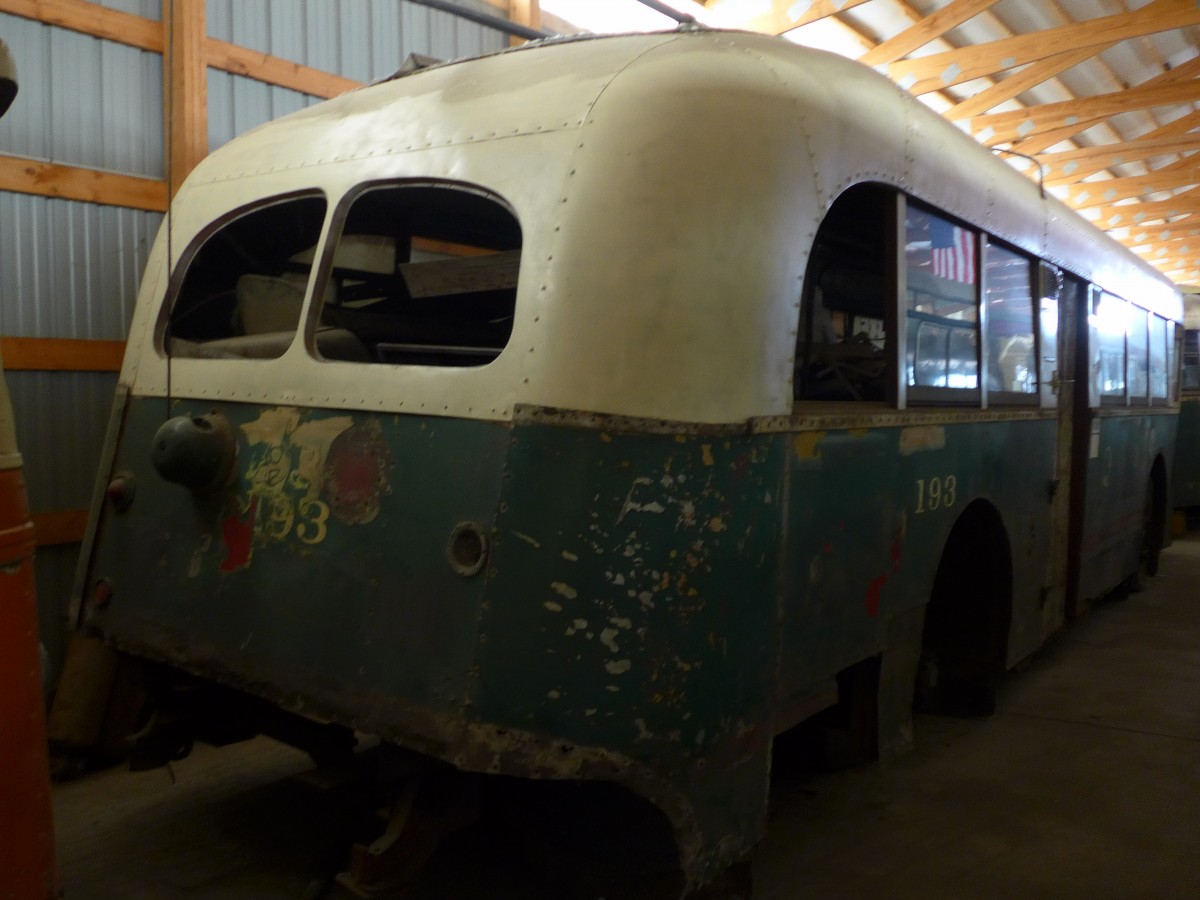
268,304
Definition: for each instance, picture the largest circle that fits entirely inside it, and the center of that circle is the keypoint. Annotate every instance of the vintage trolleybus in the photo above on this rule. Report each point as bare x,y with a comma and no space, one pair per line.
601,409
1186,481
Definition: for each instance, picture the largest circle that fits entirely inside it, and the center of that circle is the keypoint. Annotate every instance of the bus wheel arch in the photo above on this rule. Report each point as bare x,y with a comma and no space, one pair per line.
964,641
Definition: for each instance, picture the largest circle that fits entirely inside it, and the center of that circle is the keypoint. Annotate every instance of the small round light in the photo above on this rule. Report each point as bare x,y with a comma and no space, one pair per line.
120,491
102,593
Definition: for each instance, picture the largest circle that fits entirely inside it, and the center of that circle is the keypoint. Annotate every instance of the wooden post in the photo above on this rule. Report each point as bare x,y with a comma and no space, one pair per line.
524,12
185,88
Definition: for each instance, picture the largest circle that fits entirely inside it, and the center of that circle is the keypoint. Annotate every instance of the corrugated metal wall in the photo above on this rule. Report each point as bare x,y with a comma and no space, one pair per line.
71,270
360,39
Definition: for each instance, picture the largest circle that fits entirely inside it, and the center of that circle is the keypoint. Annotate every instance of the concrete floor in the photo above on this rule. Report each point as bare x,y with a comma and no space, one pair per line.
1086,783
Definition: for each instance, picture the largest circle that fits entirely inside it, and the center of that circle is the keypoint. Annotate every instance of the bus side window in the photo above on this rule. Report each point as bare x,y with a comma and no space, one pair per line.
942,308
1011,355
1108,324
1160,335
841,341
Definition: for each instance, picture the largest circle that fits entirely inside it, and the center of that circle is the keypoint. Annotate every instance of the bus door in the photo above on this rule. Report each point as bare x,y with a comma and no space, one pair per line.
1064,382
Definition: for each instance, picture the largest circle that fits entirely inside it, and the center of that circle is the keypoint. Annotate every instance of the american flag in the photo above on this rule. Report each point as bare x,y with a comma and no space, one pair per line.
953,251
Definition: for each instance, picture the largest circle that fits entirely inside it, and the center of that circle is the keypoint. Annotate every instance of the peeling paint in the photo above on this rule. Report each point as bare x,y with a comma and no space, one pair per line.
706,454
916,438
805,444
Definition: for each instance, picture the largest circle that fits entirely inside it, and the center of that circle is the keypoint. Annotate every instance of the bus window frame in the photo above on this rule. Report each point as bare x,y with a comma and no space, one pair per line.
179,272
1096,395
929,395
322,269
1004,397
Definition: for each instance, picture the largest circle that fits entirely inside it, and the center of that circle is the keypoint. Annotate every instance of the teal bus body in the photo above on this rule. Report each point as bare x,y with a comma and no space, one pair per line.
531,485
1187,469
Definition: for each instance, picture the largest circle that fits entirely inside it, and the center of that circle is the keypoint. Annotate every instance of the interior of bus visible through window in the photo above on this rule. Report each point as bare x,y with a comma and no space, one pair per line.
423,275
942,306
243,288
1191,361
1011,347
842,337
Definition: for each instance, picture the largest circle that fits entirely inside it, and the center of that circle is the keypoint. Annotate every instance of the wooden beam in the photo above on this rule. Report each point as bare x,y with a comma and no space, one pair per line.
1098,193
91,19
185,88
62,527
1017,83
922,32
26,354
1003,127
524,12
1132,215
28,176
273,70
941,70
783,15
1070,166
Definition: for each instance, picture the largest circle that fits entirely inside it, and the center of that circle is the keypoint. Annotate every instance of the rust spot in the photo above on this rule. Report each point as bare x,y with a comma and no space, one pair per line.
237,535
356,474
874,589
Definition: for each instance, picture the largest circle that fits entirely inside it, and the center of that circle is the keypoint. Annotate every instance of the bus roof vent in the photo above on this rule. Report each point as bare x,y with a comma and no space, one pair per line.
415,63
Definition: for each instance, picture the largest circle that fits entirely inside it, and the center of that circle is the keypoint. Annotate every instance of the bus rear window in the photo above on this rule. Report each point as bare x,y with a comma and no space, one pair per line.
244,286
422,275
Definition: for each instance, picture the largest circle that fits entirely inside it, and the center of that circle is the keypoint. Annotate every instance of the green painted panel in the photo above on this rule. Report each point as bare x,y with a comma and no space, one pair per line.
870,512
1186,480
1121,456
323,565
632,599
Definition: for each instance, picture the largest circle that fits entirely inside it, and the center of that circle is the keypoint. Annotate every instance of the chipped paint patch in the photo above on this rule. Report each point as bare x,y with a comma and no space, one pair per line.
706,454
917,438
805,444
570,557
716,524
617,667
607,637
532,542
564,590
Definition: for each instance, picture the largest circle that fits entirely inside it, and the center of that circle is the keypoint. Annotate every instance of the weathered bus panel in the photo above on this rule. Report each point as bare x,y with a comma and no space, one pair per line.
595,411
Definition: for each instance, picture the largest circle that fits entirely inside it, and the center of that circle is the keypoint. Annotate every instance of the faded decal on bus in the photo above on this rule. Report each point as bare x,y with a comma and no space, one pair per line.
301,473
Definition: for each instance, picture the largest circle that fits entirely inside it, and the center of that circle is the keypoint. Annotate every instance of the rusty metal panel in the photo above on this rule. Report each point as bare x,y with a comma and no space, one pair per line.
83,101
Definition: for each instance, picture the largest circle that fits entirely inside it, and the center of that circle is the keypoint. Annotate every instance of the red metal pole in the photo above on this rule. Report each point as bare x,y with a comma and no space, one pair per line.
27,867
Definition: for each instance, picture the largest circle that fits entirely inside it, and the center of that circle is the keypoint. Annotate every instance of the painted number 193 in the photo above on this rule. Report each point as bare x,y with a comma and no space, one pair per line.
936,493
